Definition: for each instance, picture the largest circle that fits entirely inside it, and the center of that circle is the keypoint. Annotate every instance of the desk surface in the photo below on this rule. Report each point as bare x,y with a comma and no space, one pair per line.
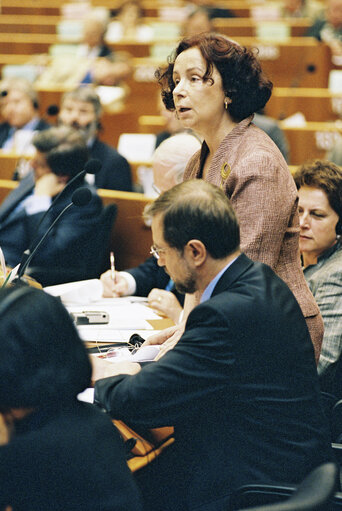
127,315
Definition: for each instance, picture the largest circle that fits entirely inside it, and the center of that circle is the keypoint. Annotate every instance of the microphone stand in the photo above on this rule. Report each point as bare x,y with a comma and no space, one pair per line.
28,256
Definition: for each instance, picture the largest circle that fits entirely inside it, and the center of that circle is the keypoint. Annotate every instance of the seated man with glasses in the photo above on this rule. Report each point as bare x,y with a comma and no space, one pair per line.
240,387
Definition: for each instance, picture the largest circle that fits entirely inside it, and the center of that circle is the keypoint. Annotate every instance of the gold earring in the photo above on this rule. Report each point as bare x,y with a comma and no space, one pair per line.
226,103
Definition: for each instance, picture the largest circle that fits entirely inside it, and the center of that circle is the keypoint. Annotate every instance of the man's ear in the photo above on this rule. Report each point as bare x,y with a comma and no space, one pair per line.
196,251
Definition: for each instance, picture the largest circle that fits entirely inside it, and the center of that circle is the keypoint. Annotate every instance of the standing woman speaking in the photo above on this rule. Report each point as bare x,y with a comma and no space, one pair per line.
215,86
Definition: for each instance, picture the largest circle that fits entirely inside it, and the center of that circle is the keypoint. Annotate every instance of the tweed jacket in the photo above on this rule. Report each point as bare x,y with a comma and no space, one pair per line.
249,167
325,281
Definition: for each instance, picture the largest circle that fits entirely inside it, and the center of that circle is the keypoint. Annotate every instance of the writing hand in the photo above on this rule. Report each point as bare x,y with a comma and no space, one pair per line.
110,290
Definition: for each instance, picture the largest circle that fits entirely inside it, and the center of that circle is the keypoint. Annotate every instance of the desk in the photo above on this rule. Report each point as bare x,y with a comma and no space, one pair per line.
122,312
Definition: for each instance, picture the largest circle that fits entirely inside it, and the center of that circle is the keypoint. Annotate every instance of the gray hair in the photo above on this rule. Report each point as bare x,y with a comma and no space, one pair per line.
86,94
175,152
22,85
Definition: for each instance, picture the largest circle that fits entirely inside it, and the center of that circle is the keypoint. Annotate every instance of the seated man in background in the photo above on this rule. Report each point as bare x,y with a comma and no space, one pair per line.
240,387
81,109
61,153
19,109
106,67
328,27
169,162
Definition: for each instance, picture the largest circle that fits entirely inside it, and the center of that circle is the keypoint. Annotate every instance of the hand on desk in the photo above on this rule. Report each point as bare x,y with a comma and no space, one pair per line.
166,303
168,338
103,369
111,289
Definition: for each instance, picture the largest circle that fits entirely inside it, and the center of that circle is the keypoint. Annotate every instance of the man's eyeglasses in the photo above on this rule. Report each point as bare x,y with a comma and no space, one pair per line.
156,251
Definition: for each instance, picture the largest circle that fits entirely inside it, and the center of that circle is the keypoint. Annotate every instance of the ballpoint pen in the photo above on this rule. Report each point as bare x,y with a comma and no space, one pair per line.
112,267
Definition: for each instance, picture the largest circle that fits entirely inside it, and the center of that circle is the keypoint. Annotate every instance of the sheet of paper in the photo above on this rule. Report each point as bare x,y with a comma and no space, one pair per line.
80,292
122,316
91,333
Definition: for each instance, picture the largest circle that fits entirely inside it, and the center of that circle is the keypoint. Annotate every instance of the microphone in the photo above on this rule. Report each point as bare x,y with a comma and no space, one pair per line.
80,197
93,166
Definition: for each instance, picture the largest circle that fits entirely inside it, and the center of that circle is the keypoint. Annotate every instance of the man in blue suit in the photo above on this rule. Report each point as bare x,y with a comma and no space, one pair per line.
20,112
81,109
240,387
61,154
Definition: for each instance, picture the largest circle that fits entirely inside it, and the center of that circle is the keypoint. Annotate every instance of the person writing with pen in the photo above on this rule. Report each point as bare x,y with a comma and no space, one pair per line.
148,279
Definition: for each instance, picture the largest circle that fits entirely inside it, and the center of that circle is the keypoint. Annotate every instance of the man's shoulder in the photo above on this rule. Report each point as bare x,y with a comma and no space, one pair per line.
102,148
4,126
250,284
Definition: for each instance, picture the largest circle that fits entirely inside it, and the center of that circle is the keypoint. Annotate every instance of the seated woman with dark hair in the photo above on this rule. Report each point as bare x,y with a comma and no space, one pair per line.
62,453
319,186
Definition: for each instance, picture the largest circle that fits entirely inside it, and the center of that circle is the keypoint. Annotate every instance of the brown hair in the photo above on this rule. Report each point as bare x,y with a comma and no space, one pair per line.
200,210
327,176
243,80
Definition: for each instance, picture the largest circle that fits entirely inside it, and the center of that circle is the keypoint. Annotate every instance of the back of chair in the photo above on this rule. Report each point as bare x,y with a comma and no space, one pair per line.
313,494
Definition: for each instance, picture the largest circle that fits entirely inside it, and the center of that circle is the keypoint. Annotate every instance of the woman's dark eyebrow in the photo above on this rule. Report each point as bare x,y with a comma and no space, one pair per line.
189,70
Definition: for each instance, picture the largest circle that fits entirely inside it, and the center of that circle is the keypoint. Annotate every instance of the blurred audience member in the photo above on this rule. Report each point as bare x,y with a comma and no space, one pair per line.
169,162
81,109
61,153
301,8
94,29
273,130
107,68
335,154
129,24
197,22
60,453
328,27
320,211
293,8
214,11
19,109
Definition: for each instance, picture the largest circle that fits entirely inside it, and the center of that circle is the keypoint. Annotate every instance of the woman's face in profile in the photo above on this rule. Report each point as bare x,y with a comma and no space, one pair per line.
317,221
199,104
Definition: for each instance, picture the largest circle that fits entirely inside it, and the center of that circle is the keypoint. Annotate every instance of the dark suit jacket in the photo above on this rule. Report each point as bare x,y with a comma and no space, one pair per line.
65,245
70,458
5,128
241,390
115,173
149,275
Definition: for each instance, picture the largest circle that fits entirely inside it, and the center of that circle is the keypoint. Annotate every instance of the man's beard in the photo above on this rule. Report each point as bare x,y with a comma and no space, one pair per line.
88,132
188,284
